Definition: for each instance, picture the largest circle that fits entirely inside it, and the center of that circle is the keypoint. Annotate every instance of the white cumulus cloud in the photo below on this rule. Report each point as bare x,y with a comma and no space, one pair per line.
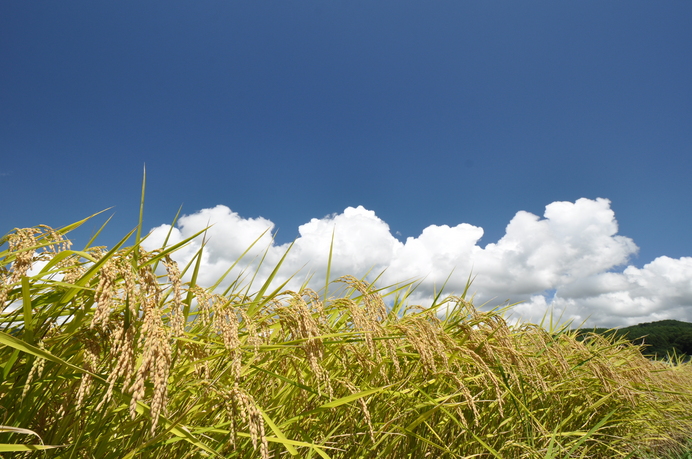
566,261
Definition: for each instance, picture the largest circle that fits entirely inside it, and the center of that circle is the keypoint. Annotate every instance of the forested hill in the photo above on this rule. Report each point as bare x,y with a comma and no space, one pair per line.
661,338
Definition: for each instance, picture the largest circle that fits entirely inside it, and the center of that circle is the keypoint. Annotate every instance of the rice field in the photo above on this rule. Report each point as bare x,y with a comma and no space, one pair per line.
110,353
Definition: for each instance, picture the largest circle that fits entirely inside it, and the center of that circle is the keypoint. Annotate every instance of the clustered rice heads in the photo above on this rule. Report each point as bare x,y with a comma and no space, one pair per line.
112,355
23,248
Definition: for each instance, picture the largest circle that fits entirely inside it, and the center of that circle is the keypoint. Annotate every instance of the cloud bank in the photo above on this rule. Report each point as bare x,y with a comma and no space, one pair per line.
570,261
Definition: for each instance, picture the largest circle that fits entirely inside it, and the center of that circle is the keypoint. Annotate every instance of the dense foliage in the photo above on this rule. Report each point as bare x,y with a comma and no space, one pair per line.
659,339
109,353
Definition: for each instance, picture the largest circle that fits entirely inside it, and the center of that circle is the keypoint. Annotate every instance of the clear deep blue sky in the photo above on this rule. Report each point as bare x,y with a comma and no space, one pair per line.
426,112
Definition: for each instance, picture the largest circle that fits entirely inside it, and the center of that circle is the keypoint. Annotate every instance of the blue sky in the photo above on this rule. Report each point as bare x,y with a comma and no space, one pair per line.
425,113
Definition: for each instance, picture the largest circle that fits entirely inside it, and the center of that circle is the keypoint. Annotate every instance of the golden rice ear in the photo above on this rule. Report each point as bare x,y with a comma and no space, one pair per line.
225,322
297,318
315,304
176,316
373,302
156,347
25,247
92,354
36,371
238,401
122,344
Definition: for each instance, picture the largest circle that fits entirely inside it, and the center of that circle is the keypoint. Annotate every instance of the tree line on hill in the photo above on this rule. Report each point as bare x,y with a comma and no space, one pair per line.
660,339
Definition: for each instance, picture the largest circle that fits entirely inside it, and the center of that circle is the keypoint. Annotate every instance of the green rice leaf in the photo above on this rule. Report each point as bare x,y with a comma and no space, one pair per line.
6,448
16,343
26,304
280,435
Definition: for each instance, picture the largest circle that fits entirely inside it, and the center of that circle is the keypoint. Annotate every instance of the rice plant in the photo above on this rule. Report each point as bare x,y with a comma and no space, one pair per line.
109,353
